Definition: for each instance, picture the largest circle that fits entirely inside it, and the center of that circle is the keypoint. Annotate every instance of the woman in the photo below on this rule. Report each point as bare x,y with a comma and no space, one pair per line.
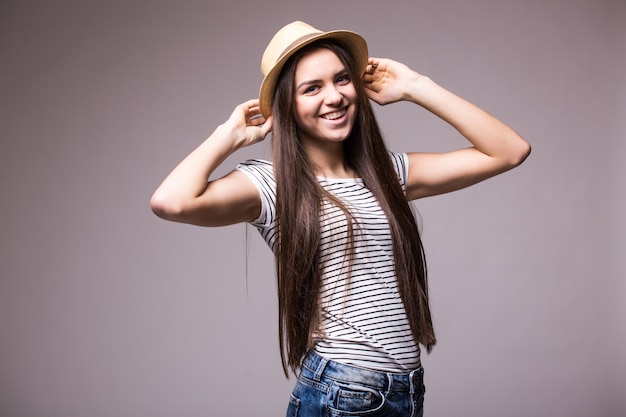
334,207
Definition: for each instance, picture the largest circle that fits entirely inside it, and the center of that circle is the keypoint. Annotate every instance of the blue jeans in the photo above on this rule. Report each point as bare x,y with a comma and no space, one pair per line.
330,389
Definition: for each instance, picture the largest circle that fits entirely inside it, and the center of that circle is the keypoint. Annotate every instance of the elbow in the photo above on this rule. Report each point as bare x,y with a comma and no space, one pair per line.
523,152
165,208
519,154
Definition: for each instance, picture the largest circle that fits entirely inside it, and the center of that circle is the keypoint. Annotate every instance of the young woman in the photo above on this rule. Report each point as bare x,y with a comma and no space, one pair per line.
333,204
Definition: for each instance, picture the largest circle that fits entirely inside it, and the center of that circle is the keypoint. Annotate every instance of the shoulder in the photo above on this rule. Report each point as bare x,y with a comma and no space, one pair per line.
261,173
257,169
255,164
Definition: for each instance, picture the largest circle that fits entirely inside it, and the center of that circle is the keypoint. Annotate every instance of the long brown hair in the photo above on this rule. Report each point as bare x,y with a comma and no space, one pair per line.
298,206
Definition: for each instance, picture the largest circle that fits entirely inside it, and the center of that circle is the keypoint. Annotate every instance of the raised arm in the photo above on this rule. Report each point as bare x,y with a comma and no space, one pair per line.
187,195
495,147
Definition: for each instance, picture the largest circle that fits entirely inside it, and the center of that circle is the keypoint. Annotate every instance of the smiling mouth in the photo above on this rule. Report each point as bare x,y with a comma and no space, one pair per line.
334,115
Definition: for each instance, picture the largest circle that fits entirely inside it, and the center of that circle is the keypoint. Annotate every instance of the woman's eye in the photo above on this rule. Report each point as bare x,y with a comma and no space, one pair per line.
343,79
311,89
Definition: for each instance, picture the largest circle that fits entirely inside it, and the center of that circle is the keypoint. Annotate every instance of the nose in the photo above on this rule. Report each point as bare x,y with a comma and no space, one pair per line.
333,96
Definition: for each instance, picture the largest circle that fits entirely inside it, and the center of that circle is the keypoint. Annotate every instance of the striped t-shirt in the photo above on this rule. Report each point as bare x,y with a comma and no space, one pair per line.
363,320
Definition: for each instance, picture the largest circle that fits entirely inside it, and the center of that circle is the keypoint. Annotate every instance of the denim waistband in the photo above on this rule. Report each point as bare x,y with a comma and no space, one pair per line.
316,367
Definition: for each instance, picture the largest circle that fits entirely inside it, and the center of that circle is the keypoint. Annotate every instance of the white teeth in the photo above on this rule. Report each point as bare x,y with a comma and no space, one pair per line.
335,115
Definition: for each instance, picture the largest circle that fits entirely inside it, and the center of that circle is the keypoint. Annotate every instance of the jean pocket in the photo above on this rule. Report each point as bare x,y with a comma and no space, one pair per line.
293,407
357,400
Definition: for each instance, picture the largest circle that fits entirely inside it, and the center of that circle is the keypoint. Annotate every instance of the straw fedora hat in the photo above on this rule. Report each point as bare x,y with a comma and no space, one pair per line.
293,37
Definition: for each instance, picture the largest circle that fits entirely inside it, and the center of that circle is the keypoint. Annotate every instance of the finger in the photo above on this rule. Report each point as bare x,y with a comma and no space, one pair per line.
256,120
253,113
251,103
368,78
372,95
243,109
372,65
370,69
253,109
247,105
369,87
267,126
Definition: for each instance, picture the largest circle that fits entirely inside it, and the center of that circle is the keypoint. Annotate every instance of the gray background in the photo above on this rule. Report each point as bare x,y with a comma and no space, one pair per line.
106,310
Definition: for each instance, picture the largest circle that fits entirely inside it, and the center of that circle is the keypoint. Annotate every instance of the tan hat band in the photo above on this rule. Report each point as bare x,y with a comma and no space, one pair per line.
298,41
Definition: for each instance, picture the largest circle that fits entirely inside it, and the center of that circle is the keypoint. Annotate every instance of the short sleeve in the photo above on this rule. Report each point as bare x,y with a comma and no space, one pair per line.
400,162
261,173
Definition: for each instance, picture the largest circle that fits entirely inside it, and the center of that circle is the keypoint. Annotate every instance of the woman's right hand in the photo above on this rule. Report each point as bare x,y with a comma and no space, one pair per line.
247,124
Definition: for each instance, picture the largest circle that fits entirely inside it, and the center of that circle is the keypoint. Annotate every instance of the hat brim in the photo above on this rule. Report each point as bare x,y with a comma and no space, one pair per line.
355,43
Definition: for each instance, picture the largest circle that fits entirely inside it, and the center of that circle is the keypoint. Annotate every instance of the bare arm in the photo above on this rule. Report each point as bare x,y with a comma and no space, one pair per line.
494,147
186,195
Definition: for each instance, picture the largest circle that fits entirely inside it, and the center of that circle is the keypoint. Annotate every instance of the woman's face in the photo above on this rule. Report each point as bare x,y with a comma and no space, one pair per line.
325,98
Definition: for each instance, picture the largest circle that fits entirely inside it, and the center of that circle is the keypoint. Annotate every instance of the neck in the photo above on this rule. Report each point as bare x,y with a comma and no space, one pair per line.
329,161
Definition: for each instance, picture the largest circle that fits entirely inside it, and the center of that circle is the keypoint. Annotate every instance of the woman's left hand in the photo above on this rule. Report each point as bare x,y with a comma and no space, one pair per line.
388,81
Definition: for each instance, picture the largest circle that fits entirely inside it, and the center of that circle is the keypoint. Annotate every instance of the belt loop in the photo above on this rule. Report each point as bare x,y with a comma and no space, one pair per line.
412,381
320,368
389,384
412,390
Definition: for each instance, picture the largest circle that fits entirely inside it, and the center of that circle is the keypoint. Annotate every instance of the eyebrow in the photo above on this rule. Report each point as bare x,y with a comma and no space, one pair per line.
308,82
